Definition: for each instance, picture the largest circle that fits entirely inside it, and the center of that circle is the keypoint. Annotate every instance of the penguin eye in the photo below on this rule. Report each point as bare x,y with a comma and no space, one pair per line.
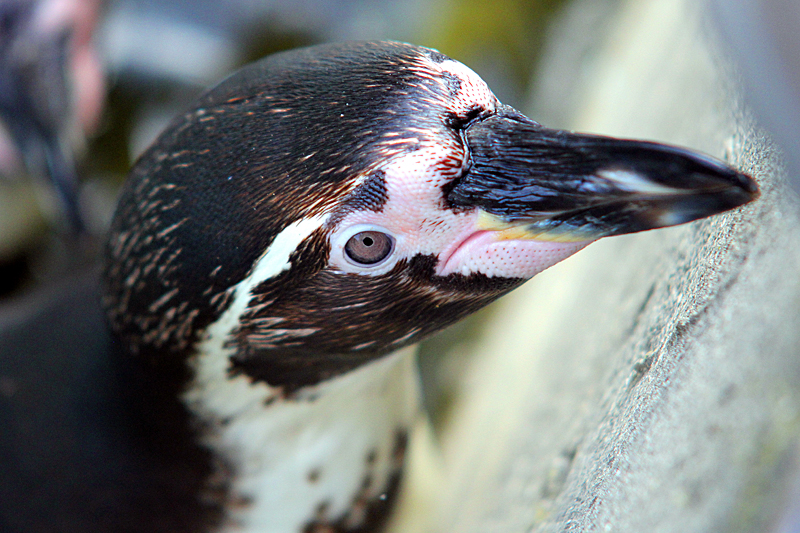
369,247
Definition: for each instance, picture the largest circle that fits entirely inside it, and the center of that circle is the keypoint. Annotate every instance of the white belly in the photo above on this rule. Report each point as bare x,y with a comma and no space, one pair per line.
321,455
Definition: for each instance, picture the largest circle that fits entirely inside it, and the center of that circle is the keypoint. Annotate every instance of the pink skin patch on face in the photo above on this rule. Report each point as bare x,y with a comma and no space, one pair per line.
489,253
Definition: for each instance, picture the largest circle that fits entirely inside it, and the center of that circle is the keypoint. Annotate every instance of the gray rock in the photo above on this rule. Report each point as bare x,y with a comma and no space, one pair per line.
651,382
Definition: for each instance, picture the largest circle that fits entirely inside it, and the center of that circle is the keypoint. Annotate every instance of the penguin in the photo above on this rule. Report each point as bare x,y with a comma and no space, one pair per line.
273,259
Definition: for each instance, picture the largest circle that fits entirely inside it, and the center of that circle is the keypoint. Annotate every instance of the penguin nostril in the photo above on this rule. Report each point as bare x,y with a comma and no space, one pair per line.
462,122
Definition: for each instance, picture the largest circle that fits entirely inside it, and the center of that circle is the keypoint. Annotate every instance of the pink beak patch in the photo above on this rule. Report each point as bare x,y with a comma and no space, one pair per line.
492,254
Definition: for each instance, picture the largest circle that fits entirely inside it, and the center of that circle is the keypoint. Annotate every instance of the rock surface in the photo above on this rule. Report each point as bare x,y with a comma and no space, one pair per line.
651,382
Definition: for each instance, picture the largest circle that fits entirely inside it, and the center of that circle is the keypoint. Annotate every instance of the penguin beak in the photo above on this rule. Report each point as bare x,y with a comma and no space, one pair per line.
553,185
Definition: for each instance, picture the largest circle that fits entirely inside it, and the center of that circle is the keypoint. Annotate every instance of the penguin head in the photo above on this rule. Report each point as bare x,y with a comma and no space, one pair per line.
328,205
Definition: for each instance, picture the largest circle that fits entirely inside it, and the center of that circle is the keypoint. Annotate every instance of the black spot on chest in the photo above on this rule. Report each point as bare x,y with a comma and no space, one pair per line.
367,514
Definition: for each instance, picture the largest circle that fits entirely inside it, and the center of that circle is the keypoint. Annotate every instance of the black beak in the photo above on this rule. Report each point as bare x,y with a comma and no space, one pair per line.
559,185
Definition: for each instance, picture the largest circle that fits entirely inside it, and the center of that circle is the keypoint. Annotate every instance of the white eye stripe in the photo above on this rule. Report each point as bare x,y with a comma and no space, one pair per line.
273,261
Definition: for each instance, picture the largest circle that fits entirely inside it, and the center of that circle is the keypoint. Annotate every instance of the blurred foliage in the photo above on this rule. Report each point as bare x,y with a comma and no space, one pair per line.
264,41
108,149
505,33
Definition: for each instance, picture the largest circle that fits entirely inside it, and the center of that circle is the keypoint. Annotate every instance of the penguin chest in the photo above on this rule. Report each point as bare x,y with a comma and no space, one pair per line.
328,458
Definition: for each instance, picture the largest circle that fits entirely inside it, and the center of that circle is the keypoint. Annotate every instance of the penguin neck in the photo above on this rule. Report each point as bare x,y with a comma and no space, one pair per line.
327,458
